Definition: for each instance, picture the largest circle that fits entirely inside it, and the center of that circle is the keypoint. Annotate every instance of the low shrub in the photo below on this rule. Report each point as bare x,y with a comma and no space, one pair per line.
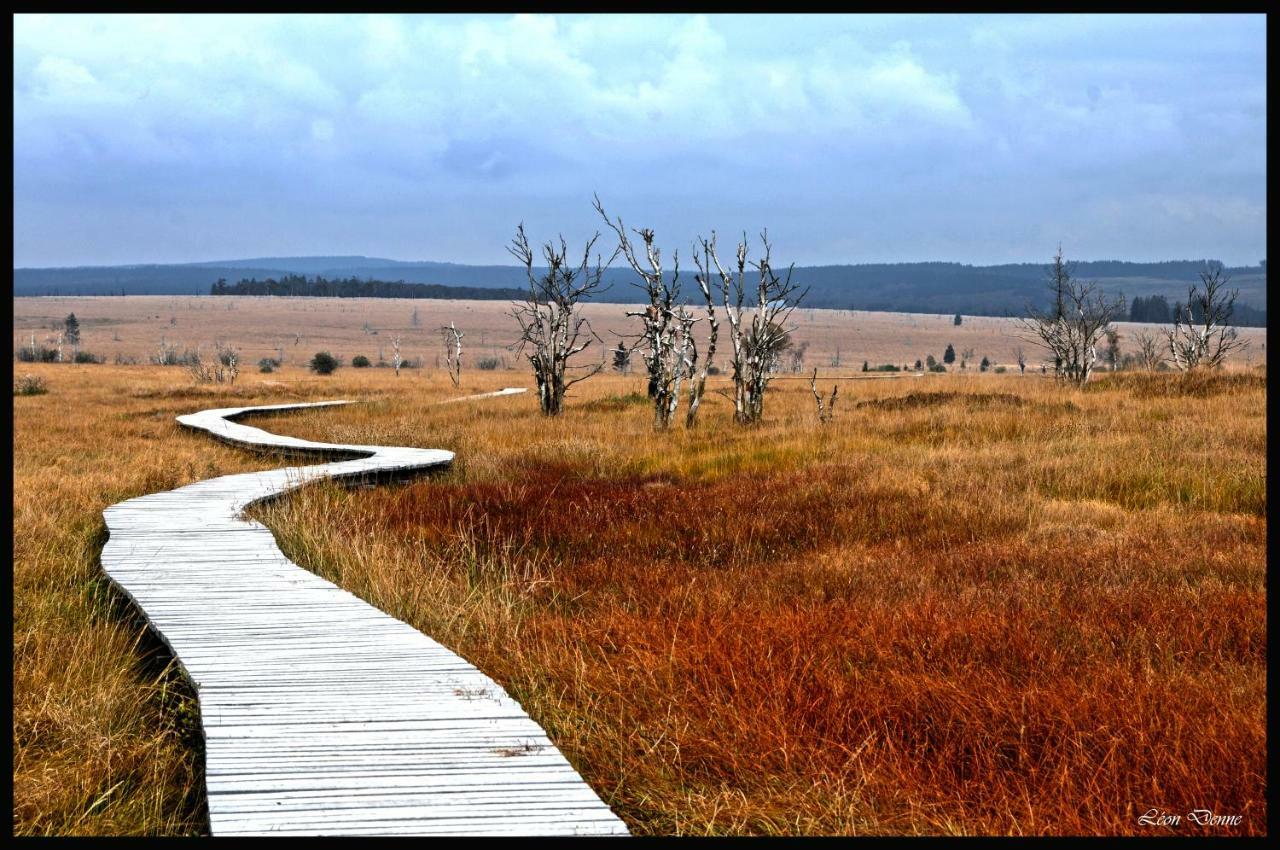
39,354
323,363
360,362
29,385
88,357
488,364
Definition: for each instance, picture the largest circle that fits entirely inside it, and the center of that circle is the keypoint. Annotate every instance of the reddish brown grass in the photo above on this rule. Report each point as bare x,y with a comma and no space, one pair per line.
947,618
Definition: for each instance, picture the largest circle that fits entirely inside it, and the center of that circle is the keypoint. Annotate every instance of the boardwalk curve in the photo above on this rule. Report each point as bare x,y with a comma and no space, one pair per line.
321,714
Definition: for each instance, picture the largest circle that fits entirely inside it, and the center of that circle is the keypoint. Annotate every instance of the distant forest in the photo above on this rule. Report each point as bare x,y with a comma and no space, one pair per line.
929,287
1156,309
354,287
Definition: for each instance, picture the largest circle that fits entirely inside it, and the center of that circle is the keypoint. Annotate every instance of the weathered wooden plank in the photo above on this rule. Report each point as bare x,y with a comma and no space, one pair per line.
321,714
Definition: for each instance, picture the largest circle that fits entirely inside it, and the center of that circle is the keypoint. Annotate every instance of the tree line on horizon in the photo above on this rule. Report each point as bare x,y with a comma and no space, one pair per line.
354,287
1155,309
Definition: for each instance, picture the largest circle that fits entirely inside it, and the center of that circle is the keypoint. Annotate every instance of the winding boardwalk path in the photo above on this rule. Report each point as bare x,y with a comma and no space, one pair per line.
321,714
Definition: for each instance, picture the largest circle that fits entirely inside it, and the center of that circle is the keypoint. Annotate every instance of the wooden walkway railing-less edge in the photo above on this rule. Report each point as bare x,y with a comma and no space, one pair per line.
321,714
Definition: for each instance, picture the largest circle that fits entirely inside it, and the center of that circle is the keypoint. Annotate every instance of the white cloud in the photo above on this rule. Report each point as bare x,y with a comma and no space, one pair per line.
741,109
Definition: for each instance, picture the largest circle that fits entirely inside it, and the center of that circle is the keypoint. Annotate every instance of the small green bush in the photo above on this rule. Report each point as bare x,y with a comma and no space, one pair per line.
323,363
937,367
29,385
87,357
360,362
488,364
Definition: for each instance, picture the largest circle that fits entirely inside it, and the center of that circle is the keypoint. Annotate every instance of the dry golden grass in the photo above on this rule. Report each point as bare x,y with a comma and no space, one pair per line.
1001,606
104,736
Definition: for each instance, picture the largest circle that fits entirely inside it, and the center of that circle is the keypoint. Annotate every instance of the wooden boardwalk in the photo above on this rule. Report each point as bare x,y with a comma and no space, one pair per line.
321,714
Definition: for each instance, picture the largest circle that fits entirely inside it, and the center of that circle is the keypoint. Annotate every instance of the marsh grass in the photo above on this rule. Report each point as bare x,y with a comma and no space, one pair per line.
1013,608
952,617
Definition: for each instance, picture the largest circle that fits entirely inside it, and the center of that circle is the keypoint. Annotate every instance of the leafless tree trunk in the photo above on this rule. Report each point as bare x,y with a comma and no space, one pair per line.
226,363
552,328
666,330
1148,350
757,335
1022,360
1070,332
395,354
453,352
824,413
698,383
200,371
1207,340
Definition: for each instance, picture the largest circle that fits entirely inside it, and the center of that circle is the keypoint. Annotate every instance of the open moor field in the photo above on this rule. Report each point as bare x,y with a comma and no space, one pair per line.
969,604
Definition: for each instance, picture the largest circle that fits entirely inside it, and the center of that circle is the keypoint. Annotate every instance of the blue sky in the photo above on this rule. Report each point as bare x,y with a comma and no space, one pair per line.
979,139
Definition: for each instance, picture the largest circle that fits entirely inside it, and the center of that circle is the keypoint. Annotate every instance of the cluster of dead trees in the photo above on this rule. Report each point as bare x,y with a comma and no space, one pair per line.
752,299
1081,316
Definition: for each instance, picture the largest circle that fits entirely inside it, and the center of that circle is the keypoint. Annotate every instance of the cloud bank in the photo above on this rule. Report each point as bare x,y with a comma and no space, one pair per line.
853,138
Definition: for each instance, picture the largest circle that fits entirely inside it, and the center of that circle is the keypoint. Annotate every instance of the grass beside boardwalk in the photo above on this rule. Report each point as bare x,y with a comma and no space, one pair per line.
971,604
977,604
105,740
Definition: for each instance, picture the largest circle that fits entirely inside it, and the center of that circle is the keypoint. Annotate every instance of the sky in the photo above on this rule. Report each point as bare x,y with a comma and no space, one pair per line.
853,139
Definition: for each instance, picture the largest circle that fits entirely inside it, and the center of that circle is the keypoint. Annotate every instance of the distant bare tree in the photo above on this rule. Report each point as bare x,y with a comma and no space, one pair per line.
1148,350
1113,349
396,360
1021,357
227,364
414,321
201,372
665,334
1204,339
824,413
453,352
166,353
757,333
1071,329
552,328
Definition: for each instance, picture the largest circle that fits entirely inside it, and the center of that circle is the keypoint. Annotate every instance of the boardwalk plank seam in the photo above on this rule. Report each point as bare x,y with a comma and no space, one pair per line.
321,714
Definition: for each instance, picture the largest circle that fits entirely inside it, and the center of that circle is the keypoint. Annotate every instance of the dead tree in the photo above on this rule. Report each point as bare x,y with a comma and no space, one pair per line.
824,413
1021,357
1148,350
452,352
1113,349
665,334
757,333
1201,335
227,363
698,382
1071,329
552,327
395,354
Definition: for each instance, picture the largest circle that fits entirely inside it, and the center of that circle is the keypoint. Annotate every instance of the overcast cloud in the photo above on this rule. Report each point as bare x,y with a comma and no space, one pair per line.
853,138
